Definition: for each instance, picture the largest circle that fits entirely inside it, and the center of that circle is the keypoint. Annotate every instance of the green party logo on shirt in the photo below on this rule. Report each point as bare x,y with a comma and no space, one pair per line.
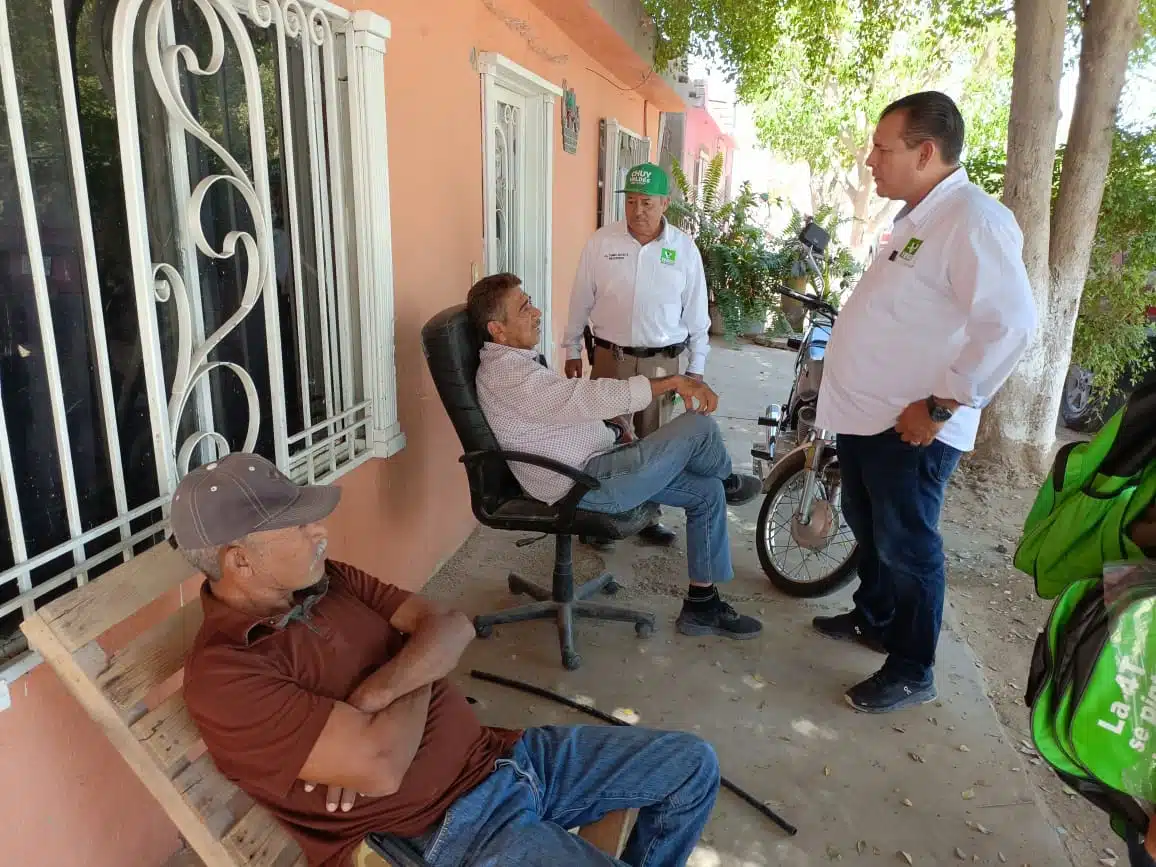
911,249
667,256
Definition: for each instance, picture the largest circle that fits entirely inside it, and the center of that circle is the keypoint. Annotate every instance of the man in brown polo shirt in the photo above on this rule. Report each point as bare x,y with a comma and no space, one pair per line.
309,672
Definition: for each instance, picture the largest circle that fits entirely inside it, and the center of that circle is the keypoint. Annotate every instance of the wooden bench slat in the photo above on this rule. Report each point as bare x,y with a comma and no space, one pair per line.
190,824
258,841
89,611
152,657
168,732
203,788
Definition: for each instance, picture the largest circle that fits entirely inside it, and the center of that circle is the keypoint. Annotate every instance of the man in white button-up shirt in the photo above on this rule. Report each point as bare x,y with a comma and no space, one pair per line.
530,408
641,290
931,332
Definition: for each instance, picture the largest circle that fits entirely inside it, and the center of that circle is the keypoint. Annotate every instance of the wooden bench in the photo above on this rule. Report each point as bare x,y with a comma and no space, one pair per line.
135,696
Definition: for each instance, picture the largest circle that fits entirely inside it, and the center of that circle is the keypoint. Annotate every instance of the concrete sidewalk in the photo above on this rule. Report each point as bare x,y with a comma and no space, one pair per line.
939,784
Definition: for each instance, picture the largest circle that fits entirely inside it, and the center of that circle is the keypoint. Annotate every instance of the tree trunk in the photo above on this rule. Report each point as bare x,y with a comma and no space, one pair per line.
1016,430
1022,421
861,203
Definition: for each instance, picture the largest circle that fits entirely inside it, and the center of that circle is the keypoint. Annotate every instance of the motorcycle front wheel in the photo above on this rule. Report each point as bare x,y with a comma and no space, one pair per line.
797,570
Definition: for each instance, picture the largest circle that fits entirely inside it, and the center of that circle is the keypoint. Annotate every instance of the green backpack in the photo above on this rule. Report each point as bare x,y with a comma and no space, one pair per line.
1095,490
1092,694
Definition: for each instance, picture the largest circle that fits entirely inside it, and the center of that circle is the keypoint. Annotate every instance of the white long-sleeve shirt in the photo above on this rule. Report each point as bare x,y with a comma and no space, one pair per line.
650,296
530,408
945,309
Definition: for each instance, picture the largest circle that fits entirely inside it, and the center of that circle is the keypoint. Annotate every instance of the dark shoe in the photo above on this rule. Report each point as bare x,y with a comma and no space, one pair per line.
741,488
597,543
883,692
849,627
658,534
715,617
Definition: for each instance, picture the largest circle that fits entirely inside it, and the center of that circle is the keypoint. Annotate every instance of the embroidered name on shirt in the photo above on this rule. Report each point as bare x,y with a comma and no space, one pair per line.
615,257
667,256
911,249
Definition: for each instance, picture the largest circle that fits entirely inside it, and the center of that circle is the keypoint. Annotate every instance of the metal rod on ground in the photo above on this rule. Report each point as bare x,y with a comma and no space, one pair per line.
607,718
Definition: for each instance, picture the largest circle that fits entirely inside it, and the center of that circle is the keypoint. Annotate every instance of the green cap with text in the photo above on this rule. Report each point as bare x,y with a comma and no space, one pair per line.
648,179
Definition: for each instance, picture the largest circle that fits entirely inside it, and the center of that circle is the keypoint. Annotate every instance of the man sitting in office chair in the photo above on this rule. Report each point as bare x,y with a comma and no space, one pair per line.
309,672
584,423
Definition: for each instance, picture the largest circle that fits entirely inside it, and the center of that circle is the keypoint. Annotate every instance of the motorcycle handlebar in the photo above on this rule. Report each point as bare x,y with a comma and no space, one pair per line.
809,301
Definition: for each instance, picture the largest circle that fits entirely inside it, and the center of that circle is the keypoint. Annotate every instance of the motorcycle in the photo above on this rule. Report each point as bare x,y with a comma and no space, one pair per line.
803,542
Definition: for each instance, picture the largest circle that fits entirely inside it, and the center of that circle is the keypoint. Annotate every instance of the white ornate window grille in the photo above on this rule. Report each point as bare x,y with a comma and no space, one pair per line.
194,259
619,150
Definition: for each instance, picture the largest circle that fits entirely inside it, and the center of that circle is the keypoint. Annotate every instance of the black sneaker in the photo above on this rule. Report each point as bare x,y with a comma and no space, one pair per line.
883,692
741,488
597,543
849,627
658,534
715,617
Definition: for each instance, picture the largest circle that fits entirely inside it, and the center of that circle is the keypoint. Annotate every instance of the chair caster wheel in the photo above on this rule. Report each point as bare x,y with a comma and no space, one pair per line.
644,630
484,631
611,588
571,660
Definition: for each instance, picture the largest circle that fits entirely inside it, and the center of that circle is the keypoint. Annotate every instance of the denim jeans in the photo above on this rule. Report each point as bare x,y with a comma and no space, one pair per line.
682,464
892,497
565,777
1137,855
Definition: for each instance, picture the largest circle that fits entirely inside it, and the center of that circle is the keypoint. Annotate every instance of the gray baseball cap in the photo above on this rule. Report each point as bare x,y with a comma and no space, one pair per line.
241,494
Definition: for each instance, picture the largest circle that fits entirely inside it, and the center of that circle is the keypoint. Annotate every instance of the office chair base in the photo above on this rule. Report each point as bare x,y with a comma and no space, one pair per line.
546,607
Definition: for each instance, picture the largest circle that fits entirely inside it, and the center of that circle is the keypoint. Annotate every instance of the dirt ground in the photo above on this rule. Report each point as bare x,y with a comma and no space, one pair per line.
994,608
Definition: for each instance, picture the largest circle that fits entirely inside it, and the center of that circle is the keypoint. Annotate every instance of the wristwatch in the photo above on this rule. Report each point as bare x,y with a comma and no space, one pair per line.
939,414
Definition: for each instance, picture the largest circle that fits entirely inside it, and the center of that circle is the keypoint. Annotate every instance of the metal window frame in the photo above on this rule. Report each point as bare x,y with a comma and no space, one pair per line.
361,430
612,131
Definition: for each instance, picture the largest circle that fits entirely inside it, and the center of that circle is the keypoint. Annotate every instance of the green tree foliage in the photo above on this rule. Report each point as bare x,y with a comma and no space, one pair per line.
1111,327
744,37
828,124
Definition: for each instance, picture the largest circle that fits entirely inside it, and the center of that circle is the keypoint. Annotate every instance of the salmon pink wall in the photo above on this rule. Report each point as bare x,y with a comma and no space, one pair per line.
68,798
704,133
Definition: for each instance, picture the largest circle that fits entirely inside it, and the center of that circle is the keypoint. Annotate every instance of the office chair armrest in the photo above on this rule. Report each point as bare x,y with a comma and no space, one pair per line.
585,480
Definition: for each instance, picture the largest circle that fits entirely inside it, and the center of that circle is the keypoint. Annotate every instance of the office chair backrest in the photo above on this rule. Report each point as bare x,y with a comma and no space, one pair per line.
451,348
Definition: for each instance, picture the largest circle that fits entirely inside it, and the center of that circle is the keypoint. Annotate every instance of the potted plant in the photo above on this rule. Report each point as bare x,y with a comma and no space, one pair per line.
741,265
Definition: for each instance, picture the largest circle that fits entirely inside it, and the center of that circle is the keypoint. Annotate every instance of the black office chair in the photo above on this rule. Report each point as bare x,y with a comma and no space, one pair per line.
451,350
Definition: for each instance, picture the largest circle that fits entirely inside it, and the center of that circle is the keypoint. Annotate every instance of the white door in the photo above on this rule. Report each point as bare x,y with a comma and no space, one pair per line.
518,167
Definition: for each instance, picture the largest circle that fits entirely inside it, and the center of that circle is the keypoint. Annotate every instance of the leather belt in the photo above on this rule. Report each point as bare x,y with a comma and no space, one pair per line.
672,351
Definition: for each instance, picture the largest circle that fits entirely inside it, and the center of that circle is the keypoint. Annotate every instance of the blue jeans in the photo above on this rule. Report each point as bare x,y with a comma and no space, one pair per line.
1137,855
681,464
565,777
892,497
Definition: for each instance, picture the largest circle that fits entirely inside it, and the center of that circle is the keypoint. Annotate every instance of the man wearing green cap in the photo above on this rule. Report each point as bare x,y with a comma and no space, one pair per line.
641,291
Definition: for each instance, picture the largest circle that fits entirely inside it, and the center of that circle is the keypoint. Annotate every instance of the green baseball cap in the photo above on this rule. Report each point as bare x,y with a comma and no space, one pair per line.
648,179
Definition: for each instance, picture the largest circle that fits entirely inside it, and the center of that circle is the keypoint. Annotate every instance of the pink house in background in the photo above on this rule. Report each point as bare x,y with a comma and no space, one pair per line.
695,136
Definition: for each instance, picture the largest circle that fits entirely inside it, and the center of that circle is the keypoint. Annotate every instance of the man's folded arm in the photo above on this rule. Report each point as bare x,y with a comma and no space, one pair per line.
438,636
368,752
264,728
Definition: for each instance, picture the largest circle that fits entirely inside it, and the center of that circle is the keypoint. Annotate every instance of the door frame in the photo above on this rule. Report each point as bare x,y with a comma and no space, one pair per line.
537,199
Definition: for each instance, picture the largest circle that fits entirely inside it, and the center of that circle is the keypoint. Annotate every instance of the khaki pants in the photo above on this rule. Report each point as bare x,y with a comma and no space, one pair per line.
661,410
